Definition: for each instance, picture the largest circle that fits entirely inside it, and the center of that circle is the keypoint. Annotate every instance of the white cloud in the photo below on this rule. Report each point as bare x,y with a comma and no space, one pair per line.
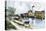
22,6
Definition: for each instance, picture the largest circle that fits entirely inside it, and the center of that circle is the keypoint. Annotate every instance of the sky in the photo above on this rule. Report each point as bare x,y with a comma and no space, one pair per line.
23,6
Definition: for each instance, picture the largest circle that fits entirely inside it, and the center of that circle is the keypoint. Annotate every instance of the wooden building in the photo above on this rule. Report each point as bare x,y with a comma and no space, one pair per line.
40,14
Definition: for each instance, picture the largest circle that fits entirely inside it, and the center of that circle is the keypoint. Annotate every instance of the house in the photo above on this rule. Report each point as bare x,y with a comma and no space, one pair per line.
30,13
40,14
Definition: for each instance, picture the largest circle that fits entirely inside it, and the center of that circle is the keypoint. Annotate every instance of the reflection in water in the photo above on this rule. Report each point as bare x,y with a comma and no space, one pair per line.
37,23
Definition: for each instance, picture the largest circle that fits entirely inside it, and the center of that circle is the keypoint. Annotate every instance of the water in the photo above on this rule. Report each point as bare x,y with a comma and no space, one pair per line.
37,23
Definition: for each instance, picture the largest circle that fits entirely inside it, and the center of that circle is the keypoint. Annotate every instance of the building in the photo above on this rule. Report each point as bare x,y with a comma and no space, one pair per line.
30,13
40,14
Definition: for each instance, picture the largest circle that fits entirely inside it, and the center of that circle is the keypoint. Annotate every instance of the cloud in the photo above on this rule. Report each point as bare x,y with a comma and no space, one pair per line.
24,6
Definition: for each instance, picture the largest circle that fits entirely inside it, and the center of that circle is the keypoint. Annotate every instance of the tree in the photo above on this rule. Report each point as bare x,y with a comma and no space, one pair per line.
10,11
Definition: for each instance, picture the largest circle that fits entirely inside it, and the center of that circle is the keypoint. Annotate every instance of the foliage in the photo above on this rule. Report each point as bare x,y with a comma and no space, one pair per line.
10,11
